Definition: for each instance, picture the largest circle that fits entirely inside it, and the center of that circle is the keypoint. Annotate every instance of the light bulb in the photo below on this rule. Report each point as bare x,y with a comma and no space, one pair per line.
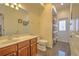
54,8
7,4
19,5
12,6
17,8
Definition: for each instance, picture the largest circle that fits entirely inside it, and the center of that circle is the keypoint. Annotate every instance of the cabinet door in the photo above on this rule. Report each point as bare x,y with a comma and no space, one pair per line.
12,54
8,50
33,49
25,51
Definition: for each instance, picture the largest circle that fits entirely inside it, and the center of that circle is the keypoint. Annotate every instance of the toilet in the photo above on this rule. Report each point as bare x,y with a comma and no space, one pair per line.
42,44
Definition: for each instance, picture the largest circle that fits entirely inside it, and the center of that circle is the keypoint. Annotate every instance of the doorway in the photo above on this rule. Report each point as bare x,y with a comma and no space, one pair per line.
63,30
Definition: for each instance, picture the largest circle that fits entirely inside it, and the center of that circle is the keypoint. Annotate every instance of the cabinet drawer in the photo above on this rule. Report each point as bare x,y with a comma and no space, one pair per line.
23,44
34,40
8,49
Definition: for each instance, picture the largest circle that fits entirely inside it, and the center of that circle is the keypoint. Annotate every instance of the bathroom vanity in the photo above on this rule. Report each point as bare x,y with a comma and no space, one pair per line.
19,46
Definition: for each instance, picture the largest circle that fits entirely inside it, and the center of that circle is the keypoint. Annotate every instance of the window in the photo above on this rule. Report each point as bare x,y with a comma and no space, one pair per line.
62,25
77,23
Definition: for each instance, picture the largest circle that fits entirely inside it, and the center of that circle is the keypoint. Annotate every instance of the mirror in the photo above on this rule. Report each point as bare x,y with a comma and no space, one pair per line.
1,24
13,20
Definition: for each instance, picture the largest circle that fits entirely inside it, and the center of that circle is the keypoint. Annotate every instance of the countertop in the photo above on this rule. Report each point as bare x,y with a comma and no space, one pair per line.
9,40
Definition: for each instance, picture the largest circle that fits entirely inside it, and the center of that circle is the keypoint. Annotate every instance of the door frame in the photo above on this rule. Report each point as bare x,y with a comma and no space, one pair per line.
67,27
2,23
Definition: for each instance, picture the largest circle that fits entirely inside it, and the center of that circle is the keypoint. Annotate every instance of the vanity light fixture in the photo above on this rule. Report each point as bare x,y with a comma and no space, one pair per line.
12,6
19,5
17,8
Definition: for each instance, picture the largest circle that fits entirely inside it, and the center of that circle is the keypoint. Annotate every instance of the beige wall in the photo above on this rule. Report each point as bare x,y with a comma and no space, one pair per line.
34,12
40,21
11,17
34,25
46,24
75,11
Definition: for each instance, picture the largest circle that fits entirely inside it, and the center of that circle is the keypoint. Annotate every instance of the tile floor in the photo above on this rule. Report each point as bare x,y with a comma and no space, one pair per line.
59,49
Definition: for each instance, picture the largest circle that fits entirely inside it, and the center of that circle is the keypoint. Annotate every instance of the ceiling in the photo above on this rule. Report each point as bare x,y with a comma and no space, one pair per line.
37,7
60,7
32,6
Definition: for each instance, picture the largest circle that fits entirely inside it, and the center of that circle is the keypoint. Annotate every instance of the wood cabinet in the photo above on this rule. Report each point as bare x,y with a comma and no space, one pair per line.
24,51
24,48
33,47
